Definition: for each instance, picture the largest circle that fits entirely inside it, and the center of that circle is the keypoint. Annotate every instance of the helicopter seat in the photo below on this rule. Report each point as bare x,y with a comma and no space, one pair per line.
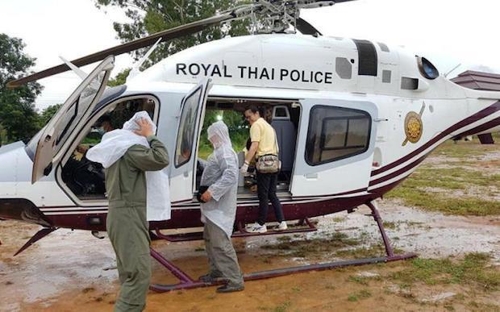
286,135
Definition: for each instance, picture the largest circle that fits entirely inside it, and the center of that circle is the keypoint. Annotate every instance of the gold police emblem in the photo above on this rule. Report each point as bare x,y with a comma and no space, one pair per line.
414,126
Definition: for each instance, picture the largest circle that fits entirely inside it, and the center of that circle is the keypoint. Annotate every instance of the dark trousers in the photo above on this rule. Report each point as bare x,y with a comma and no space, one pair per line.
266,190
221,254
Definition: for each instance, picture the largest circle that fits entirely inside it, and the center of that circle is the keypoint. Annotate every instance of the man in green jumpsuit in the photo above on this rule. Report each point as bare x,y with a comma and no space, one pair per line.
126,222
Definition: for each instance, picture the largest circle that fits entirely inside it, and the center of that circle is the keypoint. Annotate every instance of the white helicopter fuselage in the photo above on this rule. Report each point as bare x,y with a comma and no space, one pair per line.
324,71
363,115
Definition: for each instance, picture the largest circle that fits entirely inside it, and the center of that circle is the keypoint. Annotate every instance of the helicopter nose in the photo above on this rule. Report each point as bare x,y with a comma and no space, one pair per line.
15,168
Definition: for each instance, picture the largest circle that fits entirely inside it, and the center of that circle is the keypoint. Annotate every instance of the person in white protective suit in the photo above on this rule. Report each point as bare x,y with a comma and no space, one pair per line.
218,210
137,190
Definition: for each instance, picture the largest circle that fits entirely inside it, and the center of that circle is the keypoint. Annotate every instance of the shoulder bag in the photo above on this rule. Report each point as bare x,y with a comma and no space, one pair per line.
269,163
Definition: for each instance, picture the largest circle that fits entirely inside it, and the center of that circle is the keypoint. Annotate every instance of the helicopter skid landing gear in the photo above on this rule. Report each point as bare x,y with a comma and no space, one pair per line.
388,248
187,282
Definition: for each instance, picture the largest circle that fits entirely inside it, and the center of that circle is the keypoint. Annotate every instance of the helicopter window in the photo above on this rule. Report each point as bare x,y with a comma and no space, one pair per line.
367,58
409,83
343,67
187,125
386,76
70,116
426,68
32,144
336,133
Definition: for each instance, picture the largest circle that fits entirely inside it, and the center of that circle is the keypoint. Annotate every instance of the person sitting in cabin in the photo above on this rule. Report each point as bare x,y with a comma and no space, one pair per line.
82,176
103,126
219,185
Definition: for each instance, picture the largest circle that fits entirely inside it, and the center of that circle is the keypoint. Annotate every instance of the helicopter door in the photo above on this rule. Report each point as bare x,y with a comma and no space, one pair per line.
69,119
186,149
339,142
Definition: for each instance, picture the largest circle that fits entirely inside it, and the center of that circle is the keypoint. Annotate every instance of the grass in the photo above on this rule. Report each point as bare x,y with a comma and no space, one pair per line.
359,295
465,206
472,270
458,185
359,279
282,307
303,248
362,252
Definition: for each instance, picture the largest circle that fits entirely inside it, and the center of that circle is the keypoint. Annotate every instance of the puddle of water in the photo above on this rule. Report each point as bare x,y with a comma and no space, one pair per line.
63,260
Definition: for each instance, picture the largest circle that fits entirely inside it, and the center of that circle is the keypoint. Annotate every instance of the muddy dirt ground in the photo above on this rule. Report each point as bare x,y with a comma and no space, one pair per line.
74,271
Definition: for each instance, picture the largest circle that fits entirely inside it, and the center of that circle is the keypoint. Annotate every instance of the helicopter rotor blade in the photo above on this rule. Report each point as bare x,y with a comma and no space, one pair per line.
183,30
302,25
305,28
310,4
165,35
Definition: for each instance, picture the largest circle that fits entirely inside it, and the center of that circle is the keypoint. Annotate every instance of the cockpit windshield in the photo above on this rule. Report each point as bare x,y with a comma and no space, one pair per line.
31,146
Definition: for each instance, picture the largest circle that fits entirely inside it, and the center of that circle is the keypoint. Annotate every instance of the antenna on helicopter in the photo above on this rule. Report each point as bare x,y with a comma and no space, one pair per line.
449,72
74,68
136,69
80,73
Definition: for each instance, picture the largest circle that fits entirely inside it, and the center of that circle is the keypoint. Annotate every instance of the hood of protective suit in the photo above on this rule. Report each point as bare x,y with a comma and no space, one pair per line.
114,145
218,134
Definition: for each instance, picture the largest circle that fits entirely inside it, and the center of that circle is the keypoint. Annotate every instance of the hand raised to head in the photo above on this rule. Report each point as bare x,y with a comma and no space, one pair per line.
146,129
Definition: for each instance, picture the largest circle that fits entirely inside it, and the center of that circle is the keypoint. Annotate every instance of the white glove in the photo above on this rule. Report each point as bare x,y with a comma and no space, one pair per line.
244,168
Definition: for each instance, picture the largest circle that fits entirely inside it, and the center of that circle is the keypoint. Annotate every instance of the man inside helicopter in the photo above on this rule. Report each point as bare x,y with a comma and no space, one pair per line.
102,125
83,177
86,178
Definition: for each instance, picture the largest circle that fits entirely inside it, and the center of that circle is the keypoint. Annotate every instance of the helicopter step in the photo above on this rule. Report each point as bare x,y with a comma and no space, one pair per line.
303,225
186,282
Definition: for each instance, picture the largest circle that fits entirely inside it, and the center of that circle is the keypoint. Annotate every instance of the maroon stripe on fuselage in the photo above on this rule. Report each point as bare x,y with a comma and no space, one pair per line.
380,191
491,124
190,217
398,172
467,121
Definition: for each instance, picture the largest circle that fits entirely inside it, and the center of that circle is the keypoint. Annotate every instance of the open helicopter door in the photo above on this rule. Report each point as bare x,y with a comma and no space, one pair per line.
192,113
70,119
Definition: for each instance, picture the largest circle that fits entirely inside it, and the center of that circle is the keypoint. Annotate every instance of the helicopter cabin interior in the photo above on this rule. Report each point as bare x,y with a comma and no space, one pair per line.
283,116
85,179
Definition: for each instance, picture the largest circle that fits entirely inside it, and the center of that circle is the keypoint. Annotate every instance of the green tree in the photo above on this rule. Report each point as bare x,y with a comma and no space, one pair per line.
18,116
149,17
48,113
120,78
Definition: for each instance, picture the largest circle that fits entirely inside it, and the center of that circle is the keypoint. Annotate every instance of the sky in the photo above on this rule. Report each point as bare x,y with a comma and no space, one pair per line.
447,32
54,28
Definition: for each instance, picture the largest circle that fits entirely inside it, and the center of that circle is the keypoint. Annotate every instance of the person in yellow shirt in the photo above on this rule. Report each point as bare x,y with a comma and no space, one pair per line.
264,142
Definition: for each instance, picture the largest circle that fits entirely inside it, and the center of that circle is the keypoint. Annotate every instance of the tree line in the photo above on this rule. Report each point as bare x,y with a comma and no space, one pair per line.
19,120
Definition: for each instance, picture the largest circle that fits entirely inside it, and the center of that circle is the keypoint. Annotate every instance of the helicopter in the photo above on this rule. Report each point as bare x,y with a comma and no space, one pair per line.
353,120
